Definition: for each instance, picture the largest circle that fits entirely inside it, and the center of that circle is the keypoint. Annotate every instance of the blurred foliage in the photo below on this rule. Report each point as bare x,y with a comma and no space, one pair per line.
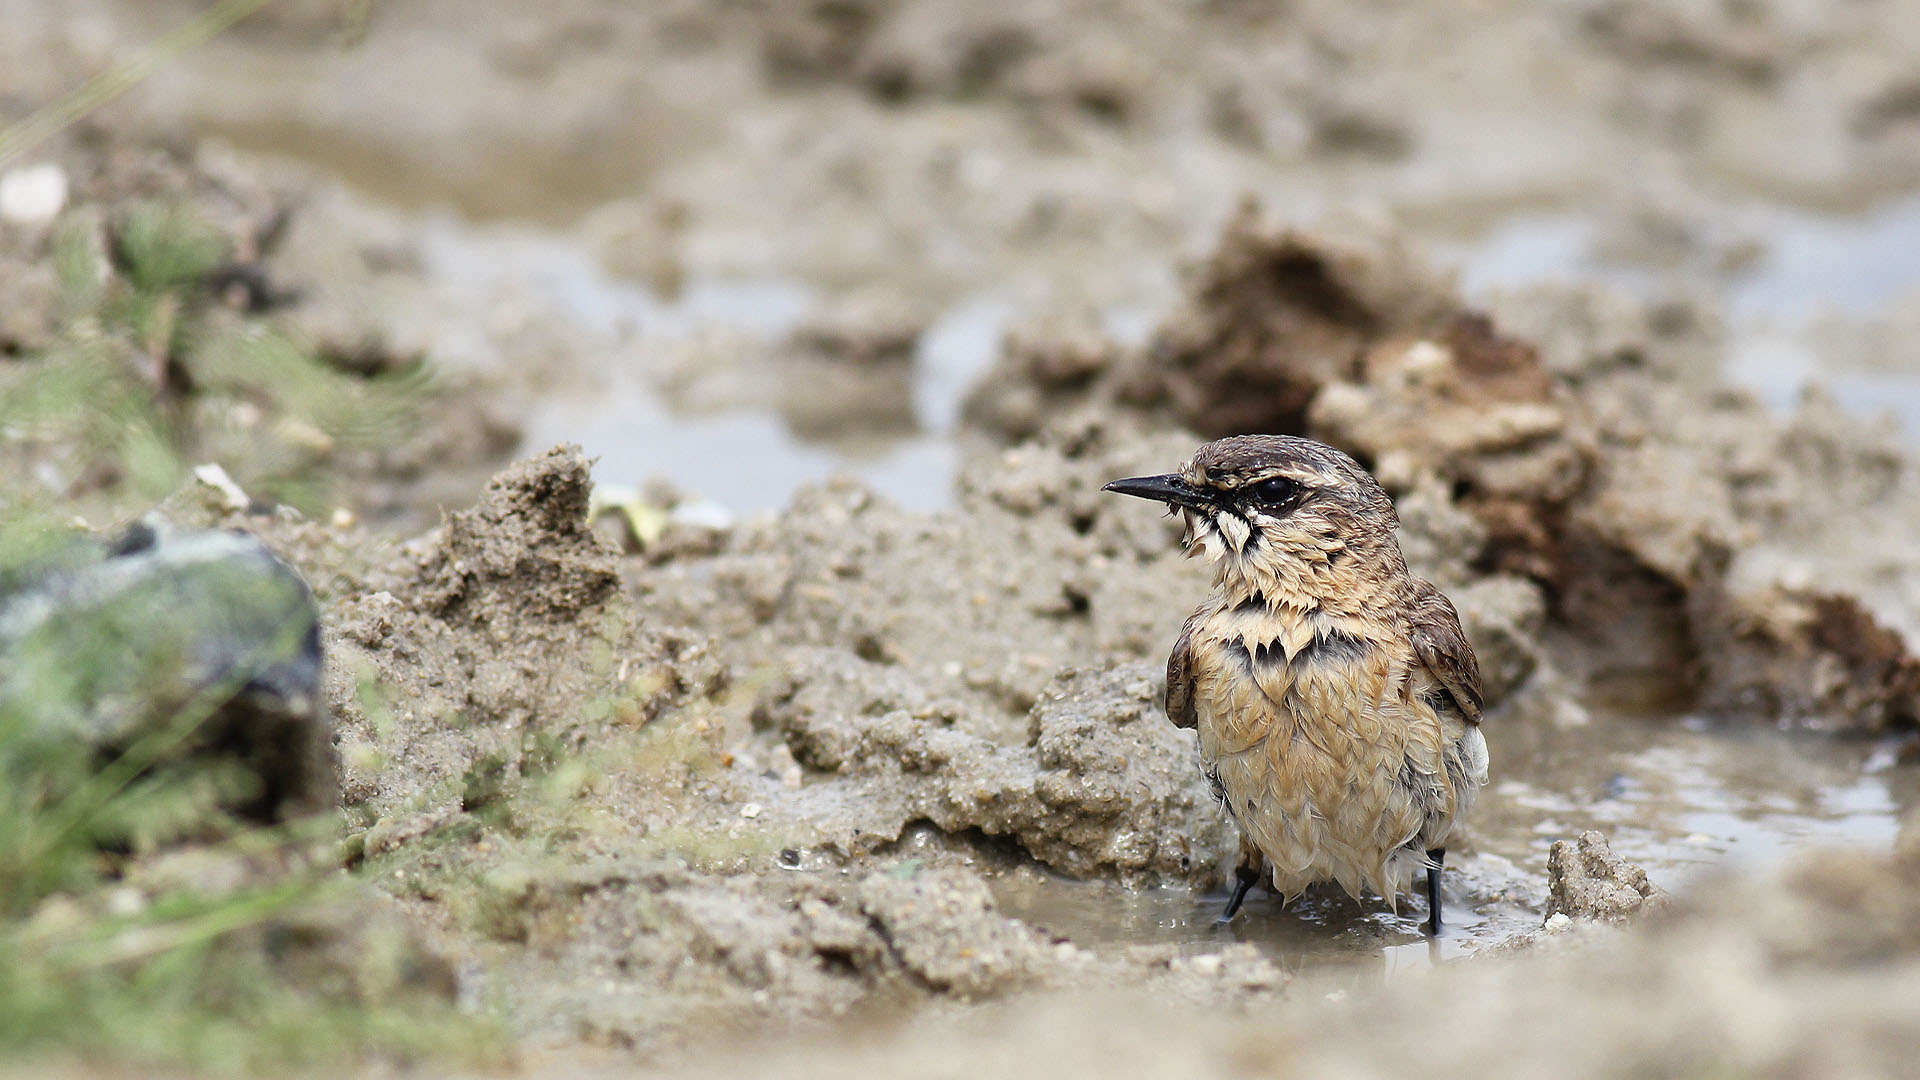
262,965
159,364
223,983
164,360
224,980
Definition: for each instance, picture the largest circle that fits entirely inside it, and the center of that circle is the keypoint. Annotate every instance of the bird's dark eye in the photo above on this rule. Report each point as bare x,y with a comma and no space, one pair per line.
1275,491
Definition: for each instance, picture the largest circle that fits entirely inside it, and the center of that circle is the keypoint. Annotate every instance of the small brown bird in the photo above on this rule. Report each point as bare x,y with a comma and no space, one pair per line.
1336,699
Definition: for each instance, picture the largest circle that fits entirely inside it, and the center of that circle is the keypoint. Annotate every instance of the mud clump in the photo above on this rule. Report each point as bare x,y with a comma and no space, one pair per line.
525,550
1743,46
938,924
1813,656
1480,411
851,369
1105,786
1043,371
1586,880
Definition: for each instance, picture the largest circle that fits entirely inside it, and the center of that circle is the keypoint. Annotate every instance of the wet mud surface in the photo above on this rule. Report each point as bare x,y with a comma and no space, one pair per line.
788,699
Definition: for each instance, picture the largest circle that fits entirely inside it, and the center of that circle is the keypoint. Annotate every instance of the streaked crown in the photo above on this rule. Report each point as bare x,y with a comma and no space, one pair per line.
1250,497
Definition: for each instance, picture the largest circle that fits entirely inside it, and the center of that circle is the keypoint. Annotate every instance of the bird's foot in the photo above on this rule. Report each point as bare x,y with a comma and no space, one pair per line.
1245,878
1433,924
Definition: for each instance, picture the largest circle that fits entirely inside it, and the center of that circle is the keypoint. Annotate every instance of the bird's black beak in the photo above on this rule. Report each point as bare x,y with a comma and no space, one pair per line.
1170,489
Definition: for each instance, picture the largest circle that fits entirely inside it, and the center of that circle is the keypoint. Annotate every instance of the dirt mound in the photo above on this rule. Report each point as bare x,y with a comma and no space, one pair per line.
525,551
547,770
495,643
1271,317
1674,550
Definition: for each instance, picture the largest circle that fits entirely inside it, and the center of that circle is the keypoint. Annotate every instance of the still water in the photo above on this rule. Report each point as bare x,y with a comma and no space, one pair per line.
1678,799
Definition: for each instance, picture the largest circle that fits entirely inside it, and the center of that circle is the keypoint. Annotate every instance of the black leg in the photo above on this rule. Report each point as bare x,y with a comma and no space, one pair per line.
1245,878
1439,857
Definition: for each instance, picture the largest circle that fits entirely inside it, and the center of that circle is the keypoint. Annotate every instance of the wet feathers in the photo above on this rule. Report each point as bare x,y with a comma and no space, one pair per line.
1336,699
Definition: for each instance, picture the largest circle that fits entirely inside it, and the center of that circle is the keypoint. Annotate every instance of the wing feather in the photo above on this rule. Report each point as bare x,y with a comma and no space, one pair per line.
1442,648
1180,708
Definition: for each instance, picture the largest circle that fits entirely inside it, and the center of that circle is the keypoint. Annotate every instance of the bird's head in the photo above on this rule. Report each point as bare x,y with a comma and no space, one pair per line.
1266,506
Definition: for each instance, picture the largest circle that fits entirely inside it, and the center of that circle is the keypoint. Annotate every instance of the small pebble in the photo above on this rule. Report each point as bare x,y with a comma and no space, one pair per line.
751,810
1557,923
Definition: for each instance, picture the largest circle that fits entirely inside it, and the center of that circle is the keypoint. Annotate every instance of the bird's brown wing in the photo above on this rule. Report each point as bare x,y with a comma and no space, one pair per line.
1180,680
1441,646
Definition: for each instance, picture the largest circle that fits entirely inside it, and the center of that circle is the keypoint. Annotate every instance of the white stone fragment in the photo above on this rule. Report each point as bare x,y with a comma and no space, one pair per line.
216,478
33,194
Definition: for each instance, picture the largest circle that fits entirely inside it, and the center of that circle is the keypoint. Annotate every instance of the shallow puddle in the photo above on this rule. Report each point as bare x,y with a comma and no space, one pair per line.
1323,934
610,402
1677,797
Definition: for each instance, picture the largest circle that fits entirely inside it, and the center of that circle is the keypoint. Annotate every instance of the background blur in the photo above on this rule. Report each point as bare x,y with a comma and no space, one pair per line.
741,244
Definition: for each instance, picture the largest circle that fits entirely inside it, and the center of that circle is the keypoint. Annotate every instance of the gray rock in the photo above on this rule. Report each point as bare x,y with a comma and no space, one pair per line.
190,649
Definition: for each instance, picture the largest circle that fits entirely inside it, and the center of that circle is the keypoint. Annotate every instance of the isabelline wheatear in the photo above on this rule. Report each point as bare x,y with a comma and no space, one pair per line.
1336,698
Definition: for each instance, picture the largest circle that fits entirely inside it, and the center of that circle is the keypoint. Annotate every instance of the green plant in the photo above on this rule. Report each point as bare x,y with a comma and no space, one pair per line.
152,372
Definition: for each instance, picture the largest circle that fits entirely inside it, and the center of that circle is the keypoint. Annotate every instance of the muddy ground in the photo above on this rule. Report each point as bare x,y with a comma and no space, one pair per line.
743,764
